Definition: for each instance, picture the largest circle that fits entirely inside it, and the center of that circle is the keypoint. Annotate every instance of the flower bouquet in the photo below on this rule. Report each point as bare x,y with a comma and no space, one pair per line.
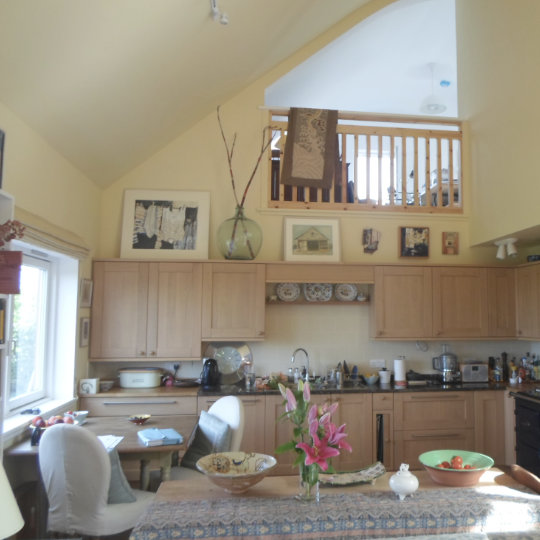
316,439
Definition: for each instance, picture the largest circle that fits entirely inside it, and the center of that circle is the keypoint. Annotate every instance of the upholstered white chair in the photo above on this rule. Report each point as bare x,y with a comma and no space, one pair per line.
76,472
227,412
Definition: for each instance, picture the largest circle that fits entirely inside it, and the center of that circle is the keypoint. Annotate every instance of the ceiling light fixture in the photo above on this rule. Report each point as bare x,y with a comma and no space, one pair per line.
217,14
506,247
432,104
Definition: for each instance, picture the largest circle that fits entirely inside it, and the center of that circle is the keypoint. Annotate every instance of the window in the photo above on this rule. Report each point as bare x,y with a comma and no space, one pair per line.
41,330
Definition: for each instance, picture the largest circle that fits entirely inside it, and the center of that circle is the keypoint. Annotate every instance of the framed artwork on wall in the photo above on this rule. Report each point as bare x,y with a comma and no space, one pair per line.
84,330
450,243
87,287
165,224
414,242
312,240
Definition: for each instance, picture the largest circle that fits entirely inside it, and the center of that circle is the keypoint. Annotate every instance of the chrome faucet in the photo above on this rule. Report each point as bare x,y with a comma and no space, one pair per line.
307,359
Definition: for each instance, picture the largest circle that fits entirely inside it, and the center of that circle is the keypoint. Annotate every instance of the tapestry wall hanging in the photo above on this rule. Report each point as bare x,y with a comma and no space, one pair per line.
310,150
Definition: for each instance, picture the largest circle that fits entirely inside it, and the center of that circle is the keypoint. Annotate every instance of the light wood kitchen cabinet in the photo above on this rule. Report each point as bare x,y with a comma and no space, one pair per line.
233,301
527,299
460,306
402,303
418,417
146,310
501,293
355,410
383,419
254,418
489,425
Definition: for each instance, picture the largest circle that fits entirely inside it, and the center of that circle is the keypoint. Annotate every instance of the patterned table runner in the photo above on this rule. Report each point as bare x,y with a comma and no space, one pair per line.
378,514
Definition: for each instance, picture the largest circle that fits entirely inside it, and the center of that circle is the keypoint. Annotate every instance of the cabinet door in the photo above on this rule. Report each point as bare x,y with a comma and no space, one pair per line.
355,410
527,301
119,310
383,406
233,301
489,426
174,318
501,302
460,302
402,302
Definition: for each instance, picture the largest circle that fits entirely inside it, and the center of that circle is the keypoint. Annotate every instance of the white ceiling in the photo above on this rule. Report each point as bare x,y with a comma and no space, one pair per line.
109,82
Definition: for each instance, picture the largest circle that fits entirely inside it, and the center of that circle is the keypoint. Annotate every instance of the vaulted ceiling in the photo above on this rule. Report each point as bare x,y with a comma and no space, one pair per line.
107,83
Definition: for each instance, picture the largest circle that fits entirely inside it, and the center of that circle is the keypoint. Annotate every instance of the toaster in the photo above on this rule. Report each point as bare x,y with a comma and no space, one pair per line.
474,373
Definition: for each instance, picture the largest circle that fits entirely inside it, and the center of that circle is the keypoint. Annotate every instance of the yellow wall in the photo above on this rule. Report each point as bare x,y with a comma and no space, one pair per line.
197,161
499,84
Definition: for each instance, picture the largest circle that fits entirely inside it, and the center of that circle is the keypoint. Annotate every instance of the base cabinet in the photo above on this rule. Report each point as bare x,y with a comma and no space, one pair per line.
489,432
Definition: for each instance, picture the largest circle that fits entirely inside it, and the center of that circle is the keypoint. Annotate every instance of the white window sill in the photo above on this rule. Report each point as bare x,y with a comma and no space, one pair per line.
15,428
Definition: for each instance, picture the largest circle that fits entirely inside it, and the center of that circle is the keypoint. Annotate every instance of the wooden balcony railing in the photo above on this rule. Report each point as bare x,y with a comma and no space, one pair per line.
384,163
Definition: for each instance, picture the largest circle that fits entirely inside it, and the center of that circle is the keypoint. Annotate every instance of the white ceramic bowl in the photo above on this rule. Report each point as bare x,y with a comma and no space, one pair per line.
105,385
373,379
79,417
236,472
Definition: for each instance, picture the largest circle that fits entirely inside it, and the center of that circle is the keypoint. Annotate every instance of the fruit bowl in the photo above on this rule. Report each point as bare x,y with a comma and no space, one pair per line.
236,472
139,419
455,477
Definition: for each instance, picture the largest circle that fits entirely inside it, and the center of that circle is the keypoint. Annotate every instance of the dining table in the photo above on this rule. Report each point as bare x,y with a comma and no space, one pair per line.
498,507
129,446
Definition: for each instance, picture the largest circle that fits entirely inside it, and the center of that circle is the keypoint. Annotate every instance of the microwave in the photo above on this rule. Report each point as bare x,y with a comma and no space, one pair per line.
474,373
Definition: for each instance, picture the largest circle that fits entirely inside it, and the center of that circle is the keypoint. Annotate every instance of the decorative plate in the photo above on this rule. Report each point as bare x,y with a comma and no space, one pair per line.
367,475
318,292
230,359
288,292
346,292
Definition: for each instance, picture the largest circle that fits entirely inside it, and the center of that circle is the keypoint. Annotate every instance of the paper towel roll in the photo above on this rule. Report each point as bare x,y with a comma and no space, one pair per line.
400,377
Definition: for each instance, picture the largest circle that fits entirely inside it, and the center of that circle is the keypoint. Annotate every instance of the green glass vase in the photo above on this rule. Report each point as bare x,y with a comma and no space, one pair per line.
239,237
309,483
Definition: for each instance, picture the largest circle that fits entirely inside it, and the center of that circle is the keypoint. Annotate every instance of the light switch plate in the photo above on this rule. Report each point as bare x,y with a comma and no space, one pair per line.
377,363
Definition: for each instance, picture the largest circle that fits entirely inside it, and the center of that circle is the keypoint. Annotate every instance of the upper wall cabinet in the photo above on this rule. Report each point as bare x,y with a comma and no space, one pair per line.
440,302
528,296
146,310
233,301
401,307
460,302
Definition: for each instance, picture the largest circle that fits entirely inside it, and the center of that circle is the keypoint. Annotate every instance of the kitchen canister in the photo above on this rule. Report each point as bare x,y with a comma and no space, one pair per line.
400,378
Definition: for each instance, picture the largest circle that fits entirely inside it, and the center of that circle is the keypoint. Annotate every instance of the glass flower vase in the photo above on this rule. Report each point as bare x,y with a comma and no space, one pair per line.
309,483
239,237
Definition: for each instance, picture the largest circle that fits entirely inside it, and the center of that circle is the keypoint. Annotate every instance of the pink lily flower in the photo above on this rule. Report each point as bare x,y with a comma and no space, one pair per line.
319,453
313,414
307,392
282,390
291,400
336,436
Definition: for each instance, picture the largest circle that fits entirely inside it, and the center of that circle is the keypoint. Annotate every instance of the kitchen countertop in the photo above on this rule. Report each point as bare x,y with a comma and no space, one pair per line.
240,390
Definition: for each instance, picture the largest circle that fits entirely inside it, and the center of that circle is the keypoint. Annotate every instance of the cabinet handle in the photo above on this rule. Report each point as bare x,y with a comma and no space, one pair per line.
449,396
141,402
437,436
153,353
142,353
251,400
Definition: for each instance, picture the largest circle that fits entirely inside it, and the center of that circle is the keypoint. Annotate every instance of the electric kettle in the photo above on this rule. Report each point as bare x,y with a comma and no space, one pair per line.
210,374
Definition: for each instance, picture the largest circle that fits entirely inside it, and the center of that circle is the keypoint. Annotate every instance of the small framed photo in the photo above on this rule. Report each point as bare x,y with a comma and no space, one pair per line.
163,224
450,243
87,287
414,242
312,240
84,336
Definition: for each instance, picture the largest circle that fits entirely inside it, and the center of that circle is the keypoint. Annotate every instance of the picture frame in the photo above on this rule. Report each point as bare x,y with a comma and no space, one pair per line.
310,240
87,287
84,332
414,242
2,138
450,243
146,234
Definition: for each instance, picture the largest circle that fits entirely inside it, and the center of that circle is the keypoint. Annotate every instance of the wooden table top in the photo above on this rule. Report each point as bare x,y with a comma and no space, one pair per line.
121,426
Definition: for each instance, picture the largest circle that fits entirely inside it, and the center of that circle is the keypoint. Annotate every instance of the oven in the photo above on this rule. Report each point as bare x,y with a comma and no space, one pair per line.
527,413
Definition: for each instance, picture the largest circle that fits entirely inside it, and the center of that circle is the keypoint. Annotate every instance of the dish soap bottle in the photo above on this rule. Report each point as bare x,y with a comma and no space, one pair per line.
403,483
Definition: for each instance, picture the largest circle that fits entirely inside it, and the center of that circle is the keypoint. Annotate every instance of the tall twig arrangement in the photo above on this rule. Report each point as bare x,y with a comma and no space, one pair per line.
266,141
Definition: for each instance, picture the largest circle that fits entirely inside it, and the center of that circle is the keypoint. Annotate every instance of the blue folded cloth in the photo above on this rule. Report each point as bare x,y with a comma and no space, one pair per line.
158,437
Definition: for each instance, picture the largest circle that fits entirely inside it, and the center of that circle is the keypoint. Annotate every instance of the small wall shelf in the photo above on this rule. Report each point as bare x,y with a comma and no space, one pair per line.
317,294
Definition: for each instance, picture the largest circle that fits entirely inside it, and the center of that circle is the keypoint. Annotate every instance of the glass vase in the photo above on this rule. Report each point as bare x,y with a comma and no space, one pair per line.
309,483
239,237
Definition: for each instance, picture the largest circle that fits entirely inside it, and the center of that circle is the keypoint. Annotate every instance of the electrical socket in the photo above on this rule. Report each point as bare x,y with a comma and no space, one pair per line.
377,363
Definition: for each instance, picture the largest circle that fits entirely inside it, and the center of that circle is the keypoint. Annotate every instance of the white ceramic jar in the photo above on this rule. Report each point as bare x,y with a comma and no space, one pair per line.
403,483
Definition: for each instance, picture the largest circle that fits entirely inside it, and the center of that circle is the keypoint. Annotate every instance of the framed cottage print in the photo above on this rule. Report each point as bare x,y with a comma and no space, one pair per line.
312,240
165,224
450,243
413,241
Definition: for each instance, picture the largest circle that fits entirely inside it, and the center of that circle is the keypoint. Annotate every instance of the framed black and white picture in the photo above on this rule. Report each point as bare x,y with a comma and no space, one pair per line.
165,224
